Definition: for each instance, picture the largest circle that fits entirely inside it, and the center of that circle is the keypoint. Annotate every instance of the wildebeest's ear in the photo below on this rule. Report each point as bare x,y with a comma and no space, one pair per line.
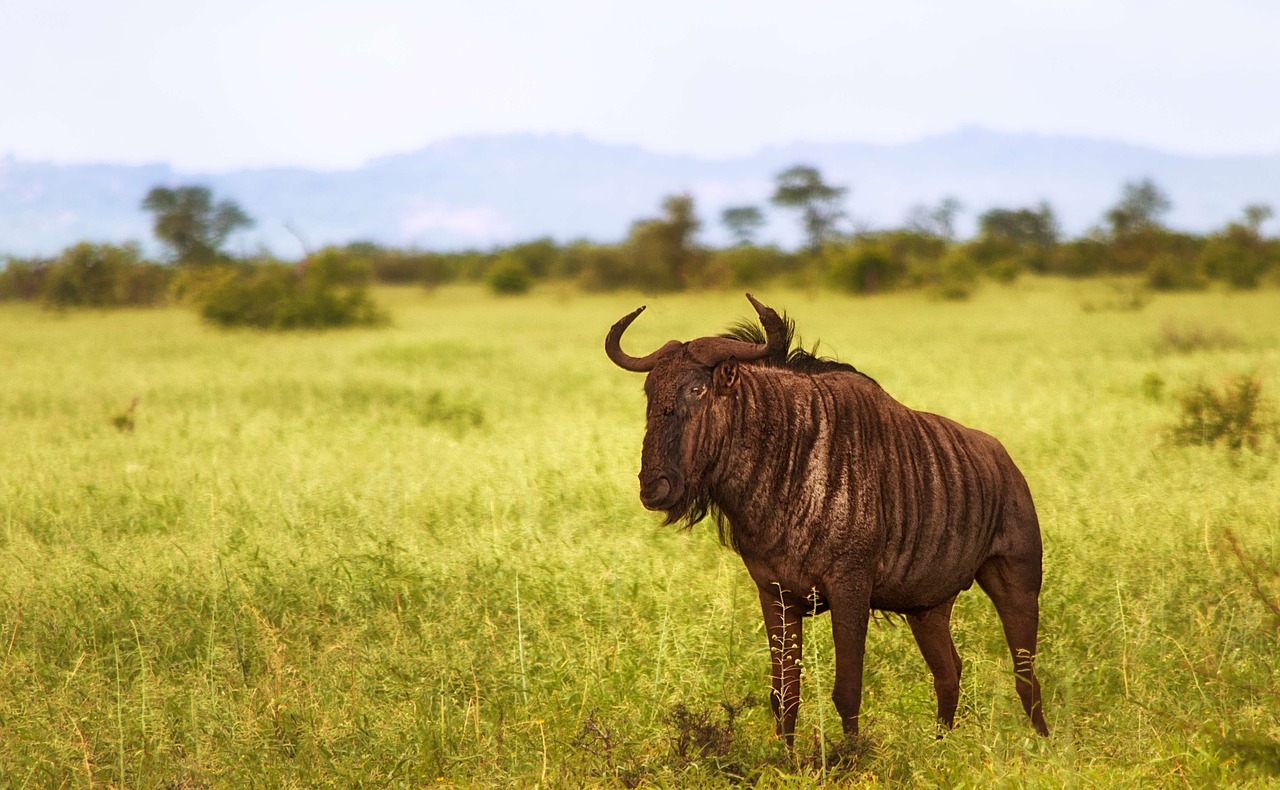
725,376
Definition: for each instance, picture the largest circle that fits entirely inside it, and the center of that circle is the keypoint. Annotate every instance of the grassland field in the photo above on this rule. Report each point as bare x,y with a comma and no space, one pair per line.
414,555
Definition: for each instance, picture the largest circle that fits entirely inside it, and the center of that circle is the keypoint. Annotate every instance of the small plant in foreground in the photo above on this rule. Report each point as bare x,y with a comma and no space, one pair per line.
1255,570
597,739
698,735
1235,414
123,422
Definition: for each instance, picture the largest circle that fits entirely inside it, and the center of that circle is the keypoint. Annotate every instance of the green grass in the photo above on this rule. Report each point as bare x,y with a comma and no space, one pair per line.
415,554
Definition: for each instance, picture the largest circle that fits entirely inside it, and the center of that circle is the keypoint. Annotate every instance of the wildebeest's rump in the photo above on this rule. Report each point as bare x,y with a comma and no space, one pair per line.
838,497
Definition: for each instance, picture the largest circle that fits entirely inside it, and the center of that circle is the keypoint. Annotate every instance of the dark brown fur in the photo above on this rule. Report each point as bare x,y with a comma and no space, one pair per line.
838,497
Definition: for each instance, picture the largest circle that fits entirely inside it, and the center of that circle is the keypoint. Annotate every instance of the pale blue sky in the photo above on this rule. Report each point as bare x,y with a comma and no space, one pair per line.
249,83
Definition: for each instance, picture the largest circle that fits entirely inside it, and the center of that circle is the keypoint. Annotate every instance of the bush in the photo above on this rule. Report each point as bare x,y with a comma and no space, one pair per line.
1002,259
1080,258
864,267
598,267
326,291
1133,252
103,275
1236,256
195,285
1236,414
957,275
540,256
23,280
953,276
745,266
509,276
1168,272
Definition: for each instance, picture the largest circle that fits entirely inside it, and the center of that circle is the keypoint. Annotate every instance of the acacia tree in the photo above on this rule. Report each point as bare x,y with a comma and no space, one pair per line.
1141,206
1036,227
939,220
1255,214
742,222
661,250
802,188
191,225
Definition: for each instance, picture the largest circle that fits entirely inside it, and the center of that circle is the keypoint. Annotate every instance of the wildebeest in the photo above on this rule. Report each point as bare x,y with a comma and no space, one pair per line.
839,498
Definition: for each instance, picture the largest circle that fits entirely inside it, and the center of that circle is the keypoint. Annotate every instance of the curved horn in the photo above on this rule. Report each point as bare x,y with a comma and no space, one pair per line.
712,351
775,329
613,346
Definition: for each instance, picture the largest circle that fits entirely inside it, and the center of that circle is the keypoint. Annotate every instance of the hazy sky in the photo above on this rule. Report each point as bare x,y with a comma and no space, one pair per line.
214,86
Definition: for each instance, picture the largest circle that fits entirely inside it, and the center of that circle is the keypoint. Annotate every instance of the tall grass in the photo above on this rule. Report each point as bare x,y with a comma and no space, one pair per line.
347,558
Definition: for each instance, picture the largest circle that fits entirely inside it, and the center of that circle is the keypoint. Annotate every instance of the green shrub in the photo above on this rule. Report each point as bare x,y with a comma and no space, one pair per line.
1236,257
1002,259
509,276
1168,272
195,285
598,267
745,266
540,256
864,267
1133,252
23,279
1235,414
955,277
103,275
326,291
1080,258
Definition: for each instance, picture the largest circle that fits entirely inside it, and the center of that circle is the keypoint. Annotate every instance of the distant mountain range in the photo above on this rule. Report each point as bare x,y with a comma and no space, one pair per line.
482,191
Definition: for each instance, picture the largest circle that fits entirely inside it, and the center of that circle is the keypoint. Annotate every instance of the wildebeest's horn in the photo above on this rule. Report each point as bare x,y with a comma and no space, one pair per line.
613,346
775,329
712,351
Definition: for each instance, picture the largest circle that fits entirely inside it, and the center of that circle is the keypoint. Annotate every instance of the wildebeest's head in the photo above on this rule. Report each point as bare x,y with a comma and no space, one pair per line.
684,384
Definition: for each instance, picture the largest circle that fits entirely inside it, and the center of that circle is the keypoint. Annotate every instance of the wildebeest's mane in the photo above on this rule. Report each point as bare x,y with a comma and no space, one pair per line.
796,358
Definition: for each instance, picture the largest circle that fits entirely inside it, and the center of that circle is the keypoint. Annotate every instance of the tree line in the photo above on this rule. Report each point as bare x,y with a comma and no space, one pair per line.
659,253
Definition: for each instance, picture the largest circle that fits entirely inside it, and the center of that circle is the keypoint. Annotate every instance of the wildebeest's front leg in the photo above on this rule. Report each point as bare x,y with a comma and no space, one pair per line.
785,629
850,612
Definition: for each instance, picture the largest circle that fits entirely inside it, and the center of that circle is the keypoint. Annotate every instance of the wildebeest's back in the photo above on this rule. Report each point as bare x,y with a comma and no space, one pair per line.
943,498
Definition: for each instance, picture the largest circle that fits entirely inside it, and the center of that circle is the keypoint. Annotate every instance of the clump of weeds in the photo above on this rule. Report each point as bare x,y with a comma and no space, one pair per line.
1185,337
123,422
1235,414
708,735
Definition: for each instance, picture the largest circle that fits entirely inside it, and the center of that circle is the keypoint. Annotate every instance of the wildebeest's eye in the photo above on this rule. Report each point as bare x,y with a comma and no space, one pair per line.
697,390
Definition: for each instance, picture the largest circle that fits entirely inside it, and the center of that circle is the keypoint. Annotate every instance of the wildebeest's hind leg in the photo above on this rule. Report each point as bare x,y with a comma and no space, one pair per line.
1014,587
932,630
785,629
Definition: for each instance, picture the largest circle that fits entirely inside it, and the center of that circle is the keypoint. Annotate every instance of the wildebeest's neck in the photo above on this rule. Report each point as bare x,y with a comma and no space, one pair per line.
786,448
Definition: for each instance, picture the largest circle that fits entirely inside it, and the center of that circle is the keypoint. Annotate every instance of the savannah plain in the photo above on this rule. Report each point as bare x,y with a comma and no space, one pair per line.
414,555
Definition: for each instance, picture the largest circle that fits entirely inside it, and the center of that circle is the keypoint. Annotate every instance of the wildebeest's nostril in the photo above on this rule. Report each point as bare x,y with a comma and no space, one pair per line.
655,491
